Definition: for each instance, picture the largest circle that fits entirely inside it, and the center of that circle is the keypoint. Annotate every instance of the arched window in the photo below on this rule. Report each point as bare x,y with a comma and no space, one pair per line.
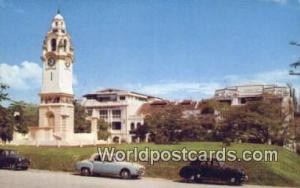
50,119
116,139
53,45
65,45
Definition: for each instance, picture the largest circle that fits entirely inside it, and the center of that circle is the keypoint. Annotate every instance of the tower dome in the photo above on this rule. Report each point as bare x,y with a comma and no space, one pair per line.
58,24
58,16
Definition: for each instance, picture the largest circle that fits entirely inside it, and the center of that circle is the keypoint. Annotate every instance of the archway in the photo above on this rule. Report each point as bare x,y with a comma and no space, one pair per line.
116,139
50,119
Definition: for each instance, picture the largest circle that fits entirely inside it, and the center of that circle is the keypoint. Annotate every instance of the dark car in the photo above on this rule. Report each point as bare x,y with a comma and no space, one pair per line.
212,170
11,159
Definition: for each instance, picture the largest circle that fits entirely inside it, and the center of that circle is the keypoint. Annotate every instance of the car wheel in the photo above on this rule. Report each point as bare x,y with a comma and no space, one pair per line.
238,181
198,178
14,166
125,174
190,179
85,172
234,181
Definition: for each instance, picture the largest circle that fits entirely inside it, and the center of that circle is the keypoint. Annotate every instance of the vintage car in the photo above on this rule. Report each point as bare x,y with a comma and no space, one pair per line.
106,167
212,170
11,159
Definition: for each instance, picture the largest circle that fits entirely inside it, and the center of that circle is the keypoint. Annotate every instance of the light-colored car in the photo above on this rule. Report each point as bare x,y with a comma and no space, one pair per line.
112,167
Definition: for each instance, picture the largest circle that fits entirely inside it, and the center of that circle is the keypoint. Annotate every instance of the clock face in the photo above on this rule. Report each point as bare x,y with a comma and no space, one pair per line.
68,63
51,62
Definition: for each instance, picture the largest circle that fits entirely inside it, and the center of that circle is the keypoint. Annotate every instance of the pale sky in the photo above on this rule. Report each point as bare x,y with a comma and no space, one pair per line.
174,49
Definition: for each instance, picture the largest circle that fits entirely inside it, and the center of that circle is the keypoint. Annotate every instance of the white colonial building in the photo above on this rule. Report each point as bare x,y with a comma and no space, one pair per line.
239,95
118,108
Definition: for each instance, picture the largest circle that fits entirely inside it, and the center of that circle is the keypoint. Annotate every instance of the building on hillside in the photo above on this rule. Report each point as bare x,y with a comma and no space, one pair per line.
240,95
118,108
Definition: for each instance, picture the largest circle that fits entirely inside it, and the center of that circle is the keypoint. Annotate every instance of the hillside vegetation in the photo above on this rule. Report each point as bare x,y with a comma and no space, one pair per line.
285,172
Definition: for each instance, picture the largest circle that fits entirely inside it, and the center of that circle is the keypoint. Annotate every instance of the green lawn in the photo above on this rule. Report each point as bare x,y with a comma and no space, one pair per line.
285,172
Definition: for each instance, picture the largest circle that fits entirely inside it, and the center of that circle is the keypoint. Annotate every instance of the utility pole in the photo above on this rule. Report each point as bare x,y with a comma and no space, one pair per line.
293,72
294,66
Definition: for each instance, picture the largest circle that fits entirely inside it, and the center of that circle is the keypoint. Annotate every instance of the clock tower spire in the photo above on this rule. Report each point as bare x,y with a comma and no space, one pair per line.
56,110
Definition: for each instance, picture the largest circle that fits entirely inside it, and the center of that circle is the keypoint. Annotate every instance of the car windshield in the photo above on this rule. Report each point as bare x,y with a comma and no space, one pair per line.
9,153
13,153
106,159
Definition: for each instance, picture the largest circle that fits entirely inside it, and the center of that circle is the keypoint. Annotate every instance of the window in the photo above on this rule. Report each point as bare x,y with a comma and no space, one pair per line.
53,45
116,113
243,100
122,98
103,114
89,112
65,45
116,125
106,98
51,76
97,158
132,126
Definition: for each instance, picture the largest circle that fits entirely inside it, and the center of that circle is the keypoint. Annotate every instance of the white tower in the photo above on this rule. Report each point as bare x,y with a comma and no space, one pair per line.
56,110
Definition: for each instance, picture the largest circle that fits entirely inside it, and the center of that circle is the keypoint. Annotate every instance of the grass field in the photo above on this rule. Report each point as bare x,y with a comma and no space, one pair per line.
285,172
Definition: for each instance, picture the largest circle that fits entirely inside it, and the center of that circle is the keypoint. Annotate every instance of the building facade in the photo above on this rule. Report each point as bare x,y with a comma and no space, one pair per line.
119,109
239,95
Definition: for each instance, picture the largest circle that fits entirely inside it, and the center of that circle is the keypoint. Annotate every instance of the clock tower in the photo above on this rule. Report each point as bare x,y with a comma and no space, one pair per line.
56,109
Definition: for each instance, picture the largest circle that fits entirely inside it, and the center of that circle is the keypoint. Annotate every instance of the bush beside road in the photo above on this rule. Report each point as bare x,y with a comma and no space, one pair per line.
285,172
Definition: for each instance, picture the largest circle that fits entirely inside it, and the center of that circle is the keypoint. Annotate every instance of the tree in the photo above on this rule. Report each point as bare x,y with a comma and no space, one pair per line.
165,124
141,131
103,132
257,121
3,93
16,109
196,128
201,125
6,126
82,125
24,115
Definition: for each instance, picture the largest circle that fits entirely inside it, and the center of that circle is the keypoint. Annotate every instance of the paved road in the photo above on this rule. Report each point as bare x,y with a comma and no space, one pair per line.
48,179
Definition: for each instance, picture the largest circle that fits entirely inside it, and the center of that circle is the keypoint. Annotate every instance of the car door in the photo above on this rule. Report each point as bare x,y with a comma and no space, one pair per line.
111,167
97,165
217,170
105,166
212,170
2,158
5,158
205,169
